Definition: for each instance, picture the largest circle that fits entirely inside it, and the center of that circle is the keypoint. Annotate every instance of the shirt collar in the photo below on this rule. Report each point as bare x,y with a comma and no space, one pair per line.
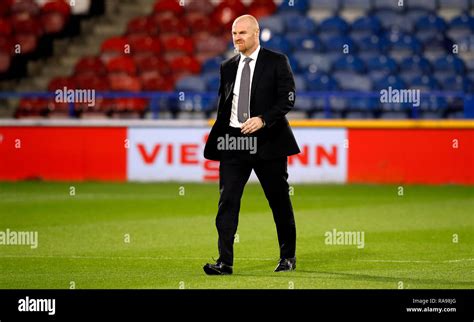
254,55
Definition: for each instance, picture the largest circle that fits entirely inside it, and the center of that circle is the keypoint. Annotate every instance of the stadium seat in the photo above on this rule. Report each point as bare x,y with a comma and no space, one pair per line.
141,25
320,82
168,7
158,83
273,23
144,45
169,25
54,16
458,83
381,66
421,4
349,63
61,82
298,6
299,24
122,64
461,26
226,12
177,46
151,65
212,65
124,82
261,8
308,61
365,26
114,46
91,65
191,84
333,26
424,82
185,65
310,43
277,43
203,7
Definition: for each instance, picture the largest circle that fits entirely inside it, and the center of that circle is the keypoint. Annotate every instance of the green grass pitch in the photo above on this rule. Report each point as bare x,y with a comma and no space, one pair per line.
133,235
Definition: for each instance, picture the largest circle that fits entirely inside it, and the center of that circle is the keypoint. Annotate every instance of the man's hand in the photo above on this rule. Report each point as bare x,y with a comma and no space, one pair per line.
251,125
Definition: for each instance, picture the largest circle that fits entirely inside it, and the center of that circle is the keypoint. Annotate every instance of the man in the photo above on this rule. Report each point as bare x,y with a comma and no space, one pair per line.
256,92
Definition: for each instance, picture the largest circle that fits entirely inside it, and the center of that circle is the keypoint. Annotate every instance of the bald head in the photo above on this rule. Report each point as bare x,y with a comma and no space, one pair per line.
245,34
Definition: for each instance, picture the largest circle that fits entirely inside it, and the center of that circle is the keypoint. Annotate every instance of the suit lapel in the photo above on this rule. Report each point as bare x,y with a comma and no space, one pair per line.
233,66
259,65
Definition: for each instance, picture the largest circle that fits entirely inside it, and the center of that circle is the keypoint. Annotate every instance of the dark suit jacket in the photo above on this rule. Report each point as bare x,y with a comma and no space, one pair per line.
272,97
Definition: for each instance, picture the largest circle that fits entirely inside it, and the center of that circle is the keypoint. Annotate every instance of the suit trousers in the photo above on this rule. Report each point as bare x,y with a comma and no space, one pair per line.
234,171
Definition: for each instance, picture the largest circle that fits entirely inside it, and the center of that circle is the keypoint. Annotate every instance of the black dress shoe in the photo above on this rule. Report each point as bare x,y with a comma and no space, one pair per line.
217,269
286,265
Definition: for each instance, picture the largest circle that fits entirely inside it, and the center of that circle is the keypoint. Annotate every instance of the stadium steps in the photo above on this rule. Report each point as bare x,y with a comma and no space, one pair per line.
93,33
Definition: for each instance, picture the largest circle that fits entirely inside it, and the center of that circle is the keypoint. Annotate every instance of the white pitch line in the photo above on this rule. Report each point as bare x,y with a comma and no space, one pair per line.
237,258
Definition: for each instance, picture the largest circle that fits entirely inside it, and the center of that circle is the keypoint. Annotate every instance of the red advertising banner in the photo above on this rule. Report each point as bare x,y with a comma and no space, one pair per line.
63,153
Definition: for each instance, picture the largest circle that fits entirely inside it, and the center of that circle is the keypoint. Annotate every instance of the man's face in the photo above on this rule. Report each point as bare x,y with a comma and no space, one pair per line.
245,36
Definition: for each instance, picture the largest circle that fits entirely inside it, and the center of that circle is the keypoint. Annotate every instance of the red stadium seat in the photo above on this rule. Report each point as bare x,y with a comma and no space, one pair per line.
185,65
24,7
26,25
27,42
124,82
6,28
141,25
60,83
158,83
262,8
131,104
169,25
54,16
122,64
90,64
199,23
180,45
204,7
115,44
151,65
5,6
91,81
140,44
226,12
168,7
33,107
5,60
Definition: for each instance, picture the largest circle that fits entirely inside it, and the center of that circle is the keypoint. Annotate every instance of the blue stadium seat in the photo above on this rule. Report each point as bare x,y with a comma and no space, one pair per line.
421,4
381,66
333,26
320,82
297,23
274,23
425,82
357,4
393,80
299,6
416,63
461,26
191,84
388,4
332,5
403,45
391,19
431,23
305,43
372,44
458,83
351,81
309,61
212,64
366,26
337,44
349,63
454,4
277,43
449,63
212,82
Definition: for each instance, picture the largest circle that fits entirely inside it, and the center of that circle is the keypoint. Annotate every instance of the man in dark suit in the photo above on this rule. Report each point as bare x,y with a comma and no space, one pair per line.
256,92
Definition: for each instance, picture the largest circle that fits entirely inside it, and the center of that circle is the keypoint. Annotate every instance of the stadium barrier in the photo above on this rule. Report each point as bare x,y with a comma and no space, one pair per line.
341,151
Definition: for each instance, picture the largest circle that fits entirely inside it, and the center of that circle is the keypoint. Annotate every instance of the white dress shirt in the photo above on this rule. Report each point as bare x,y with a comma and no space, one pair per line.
234,121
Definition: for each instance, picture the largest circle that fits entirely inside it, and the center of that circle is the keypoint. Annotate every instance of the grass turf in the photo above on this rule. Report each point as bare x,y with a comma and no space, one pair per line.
82,237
